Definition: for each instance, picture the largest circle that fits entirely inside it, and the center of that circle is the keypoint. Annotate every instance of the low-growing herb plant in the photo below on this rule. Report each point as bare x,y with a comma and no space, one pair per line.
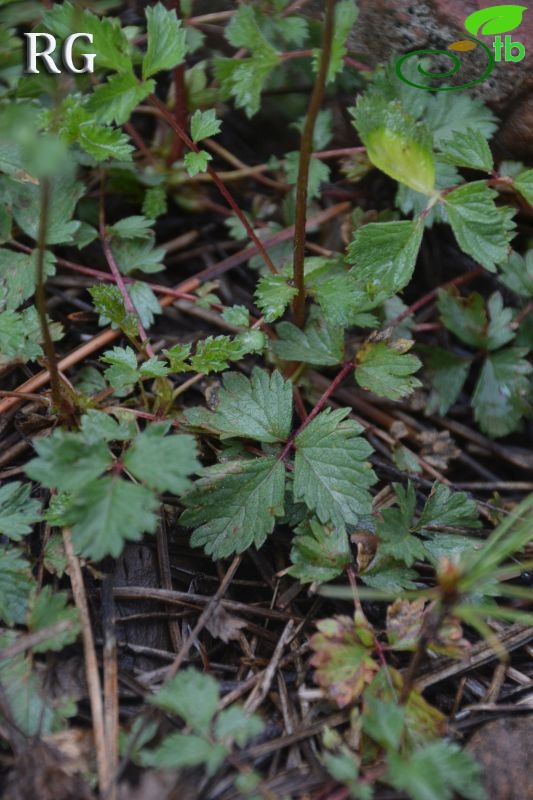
296,442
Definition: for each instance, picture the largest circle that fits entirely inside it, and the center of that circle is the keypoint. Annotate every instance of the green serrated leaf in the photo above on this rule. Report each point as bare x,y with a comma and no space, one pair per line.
167,45
320,343
318,173
180,750
257,408
468,319
67,461
436,772
197,162
384,256
468,149
447,373
394,529
123,371
162,462
344,20
16,583
193,696
204,124
18,510
331,473
387,369
109,42
452,509
234,505
17,276
482,230
48,608
273,294
319,552
234,724
117,98
214,353
502,393
396,144
109,304
106,513
517,274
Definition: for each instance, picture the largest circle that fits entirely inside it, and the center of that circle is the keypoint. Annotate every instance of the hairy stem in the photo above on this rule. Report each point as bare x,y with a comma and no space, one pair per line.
306,149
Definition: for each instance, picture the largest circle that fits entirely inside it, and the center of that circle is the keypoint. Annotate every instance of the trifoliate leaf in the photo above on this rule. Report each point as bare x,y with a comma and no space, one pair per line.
384,257
438,771
273,294
319,552
331,474
214,354
447,508
387,369
395,143
320,343
106,513
502,392
345,16
166,41
18,511
197,162
117,98
204,124
343,657
48,608
467,318
257,408
67,461
109,41
234,505
482,230
16,583
193,696
447,373
162,462
517,274
468,149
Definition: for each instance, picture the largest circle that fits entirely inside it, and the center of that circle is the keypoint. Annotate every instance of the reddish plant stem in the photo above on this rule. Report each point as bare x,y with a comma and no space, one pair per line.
118,278
180,97
139,142
427,298
306,149
318,407
219,184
